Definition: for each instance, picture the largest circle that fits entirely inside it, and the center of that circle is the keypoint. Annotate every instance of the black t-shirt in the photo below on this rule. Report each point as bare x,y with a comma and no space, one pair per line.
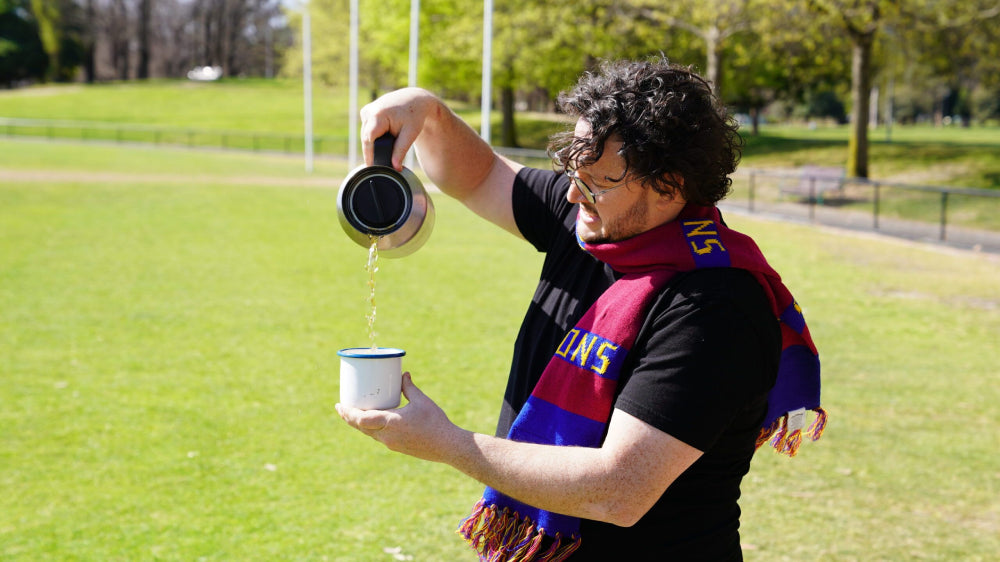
700,370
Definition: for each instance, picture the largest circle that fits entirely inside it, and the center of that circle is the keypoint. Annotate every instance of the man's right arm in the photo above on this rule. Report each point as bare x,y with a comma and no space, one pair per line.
453,156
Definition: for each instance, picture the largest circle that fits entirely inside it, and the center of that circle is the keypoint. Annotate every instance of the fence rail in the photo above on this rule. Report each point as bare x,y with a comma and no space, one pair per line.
173,136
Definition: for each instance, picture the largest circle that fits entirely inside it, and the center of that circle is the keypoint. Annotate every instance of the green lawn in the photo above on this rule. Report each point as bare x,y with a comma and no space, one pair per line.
168,371
273,106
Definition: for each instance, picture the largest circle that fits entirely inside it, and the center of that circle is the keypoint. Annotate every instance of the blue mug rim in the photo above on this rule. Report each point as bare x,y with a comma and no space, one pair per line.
366,352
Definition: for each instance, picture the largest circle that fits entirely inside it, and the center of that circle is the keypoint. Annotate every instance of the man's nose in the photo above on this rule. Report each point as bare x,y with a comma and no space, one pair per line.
573,194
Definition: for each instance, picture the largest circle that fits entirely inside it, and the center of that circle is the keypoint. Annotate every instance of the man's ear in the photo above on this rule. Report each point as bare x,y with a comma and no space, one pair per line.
675,197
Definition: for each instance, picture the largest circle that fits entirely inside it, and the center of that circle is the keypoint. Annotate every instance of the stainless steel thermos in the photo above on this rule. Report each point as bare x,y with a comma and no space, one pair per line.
377,202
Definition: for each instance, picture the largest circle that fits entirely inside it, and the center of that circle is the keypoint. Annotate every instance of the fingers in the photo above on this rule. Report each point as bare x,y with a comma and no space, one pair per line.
379,125
400,113
372,127
405,138
369,422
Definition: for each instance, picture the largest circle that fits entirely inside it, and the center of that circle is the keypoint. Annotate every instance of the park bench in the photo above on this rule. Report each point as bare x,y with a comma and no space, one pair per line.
815,183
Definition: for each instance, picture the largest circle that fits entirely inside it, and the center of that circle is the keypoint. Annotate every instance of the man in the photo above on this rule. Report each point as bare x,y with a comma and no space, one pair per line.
641,375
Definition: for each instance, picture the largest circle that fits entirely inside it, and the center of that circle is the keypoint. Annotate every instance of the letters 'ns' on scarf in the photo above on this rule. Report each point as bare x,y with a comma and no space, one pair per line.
572,402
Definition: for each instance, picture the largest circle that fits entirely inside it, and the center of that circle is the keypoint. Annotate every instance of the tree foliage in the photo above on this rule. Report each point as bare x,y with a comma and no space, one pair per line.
22,56
39,40
124,39
800,58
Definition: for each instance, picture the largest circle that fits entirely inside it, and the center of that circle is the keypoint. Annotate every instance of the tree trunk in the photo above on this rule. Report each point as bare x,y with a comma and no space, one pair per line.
861,85
120,40
47,19
713,70
755,121
508,128
89,44
145,13
207,31
235,16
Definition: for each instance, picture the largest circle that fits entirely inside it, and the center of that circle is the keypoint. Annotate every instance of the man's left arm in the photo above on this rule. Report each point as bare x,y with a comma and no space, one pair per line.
616,483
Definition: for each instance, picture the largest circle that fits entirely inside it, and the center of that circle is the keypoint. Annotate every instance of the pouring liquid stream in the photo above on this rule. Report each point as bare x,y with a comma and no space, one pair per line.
371,268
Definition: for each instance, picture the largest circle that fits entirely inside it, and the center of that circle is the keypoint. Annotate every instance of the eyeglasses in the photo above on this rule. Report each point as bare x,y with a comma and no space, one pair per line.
589,194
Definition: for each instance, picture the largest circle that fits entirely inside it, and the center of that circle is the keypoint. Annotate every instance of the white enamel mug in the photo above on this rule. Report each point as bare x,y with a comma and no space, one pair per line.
371,378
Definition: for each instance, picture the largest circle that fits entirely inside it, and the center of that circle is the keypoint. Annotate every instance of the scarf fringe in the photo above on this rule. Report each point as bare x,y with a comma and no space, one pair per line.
504,536
787,442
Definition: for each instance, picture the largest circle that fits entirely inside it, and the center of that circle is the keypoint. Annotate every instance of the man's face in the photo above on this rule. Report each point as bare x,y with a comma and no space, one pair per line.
617,214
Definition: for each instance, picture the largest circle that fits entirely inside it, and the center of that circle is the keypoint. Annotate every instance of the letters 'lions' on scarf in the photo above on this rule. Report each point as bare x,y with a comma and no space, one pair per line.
572,402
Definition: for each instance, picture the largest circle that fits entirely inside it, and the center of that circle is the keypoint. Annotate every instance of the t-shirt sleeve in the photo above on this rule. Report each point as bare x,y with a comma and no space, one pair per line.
540,206
710,349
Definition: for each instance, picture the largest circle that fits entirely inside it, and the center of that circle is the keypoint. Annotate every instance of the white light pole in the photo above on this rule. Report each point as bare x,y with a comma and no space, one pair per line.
414,49
307,84
484,130
414,40
352,106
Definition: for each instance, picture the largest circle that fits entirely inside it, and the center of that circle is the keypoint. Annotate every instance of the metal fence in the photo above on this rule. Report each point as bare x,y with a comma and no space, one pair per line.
170,136
959,217
962,217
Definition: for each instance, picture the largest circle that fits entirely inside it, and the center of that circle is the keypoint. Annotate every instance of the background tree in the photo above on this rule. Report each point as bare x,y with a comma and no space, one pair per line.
47,18
713,22
89,26
119,33
144,16
861,20
955,40
22,56
451,47
542,48
382,50
785,63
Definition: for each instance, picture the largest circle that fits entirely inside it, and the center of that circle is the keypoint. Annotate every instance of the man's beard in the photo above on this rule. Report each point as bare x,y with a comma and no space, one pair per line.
631,223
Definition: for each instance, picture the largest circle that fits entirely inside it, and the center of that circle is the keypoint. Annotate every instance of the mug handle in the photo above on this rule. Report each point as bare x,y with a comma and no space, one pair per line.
383,150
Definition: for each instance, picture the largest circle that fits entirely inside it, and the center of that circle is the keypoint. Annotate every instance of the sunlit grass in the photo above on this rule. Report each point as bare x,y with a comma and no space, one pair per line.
168,371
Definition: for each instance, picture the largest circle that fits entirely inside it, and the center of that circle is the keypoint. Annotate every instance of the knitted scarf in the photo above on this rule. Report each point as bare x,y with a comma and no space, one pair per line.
572,402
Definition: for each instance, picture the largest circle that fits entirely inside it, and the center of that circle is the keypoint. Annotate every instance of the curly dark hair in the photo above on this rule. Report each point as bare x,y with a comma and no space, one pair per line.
670,123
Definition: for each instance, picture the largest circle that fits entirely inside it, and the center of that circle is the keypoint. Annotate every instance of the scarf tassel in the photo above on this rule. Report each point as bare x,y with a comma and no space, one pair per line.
787,442
504,536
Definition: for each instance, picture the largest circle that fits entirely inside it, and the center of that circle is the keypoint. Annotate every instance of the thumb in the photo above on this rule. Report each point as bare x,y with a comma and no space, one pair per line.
410,390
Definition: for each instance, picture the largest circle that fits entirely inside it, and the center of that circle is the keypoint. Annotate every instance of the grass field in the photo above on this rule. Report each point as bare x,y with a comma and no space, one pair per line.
169,322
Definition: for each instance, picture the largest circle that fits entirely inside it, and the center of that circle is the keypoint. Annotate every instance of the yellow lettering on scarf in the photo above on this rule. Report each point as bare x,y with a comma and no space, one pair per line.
700,229
604,358
567,342
583,350
707,248
703,228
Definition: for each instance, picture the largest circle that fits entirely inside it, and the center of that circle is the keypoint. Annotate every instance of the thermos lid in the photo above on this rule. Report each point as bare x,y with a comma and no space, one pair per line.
378,203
